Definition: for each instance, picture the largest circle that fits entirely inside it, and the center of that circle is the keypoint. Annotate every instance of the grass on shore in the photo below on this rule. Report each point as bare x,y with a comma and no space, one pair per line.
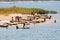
7,11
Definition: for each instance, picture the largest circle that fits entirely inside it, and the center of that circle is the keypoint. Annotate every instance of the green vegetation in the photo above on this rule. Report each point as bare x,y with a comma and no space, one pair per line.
53,12
24,10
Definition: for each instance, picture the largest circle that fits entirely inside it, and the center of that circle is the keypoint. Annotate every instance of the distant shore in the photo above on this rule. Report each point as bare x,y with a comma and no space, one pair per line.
21,10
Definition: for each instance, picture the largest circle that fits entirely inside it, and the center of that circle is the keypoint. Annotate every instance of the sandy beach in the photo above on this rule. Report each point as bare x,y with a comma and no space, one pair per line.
9,17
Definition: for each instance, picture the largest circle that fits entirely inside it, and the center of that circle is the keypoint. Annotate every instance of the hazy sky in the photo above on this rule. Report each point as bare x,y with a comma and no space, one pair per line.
48,5
30,0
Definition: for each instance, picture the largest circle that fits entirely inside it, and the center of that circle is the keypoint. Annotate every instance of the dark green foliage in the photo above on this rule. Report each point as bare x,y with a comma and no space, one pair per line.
15,9
53,12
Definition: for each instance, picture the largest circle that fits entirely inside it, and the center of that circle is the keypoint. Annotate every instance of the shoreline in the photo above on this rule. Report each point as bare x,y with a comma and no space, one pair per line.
9,18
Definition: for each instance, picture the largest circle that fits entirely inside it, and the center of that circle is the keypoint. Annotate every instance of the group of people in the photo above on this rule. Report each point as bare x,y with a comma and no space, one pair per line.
24,23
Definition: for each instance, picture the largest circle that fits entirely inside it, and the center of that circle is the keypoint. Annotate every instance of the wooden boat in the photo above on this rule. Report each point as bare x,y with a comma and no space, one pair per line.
13,23
3,25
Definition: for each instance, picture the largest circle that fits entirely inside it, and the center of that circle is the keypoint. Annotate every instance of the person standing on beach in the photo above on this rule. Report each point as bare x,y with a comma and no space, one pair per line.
44,19
12,18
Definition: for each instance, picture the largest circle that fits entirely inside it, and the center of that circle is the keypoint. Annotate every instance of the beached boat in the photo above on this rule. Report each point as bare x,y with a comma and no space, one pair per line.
4,23
13,23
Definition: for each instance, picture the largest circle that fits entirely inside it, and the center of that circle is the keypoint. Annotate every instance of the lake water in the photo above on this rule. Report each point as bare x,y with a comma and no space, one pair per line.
41,31
48,5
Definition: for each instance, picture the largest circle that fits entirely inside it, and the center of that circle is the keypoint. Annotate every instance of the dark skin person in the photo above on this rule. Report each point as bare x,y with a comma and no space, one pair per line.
24,25
54,21
17,27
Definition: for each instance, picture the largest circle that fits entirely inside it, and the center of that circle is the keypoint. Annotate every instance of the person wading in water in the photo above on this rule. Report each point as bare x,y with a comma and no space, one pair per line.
23,25
17,27
54,21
